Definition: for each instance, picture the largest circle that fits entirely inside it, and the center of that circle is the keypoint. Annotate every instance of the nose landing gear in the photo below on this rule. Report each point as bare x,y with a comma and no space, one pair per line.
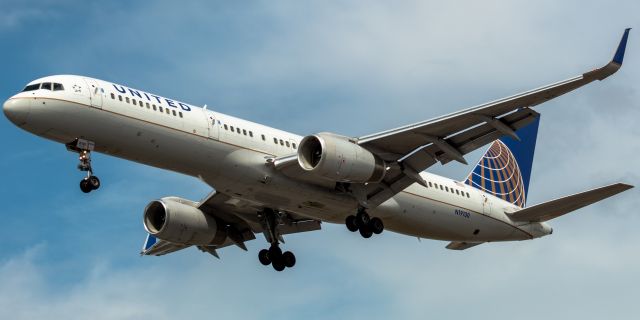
84,148
364,223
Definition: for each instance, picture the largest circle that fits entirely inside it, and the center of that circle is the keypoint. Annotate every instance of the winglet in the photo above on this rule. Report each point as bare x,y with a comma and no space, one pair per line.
614,65
619,56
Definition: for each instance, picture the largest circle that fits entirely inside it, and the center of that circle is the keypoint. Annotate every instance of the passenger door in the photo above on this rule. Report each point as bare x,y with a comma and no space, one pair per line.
486,205
213,127
95,93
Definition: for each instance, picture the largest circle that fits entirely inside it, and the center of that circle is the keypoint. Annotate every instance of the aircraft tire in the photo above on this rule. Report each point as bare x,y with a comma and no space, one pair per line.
263,256
366,232
94,182
351,223
289,259
376,225
362,218
278,264
85,186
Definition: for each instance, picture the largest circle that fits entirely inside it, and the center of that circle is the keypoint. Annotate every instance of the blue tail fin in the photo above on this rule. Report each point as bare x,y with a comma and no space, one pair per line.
505,169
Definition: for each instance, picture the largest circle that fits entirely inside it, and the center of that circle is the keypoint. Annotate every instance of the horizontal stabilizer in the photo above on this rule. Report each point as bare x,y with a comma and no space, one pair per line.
555,208
461,245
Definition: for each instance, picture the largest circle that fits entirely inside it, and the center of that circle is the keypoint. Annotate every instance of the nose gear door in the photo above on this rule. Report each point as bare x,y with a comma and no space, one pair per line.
95,93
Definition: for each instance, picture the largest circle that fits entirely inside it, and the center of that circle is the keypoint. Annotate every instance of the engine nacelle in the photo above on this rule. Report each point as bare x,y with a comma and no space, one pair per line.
338,159
176,220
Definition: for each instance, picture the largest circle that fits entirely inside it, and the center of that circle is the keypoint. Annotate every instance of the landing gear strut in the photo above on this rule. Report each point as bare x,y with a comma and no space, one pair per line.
274,256
84,148
364,223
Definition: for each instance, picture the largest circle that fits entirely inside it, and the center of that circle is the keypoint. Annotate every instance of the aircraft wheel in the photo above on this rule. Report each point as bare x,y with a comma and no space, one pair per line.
289,259
274,252
263,256
94,182
85,186
362,218
376,225
366,232
278,263
351,223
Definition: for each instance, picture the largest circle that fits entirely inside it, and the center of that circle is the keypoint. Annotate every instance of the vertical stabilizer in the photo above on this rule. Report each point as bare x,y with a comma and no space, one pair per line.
505,169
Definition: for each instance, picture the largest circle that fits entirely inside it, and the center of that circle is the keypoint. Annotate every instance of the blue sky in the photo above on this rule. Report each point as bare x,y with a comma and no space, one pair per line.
350,67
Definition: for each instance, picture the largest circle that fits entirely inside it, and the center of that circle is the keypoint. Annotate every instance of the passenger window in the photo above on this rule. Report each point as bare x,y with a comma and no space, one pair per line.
168,111
430,185
294,144
275,140
46,86
174,112
264,138
457,192
441,188
58,87
120,97
160,108
281,142
154,107
135,103
446,189
468,195
180,113
251,134
147,105
232,130
127,99
238,131
244,132
225,127
287,143
113,96
141,103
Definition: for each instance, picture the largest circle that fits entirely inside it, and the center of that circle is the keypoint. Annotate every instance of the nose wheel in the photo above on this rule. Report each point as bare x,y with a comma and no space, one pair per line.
363,223
89,184
84,148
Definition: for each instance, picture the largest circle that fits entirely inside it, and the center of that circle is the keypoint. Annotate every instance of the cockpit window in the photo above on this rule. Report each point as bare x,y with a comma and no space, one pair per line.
46,86
31,87
58,87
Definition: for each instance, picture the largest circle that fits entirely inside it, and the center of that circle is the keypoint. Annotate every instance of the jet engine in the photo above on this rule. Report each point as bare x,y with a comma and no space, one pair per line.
179,221
339,159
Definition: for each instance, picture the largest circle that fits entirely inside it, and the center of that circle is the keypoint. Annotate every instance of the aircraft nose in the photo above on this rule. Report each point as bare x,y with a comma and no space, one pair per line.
17,110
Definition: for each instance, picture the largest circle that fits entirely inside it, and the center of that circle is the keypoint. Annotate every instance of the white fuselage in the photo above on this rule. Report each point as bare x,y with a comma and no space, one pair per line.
231,154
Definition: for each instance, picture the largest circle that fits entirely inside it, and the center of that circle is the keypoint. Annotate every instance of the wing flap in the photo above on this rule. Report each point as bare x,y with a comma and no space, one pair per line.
555,208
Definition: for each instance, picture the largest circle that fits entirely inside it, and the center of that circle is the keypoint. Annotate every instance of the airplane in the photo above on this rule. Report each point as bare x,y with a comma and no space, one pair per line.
277,183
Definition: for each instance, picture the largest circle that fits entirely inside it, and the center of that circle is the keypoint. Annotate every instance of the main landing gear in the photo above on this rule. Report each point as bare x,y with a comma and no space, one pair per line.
84,148
364,223
274,256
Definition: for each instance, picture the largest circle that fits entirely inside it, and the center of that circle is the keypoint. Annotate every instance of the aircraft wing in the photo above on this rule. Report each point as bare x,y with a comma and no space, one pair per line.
241,220
415,147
